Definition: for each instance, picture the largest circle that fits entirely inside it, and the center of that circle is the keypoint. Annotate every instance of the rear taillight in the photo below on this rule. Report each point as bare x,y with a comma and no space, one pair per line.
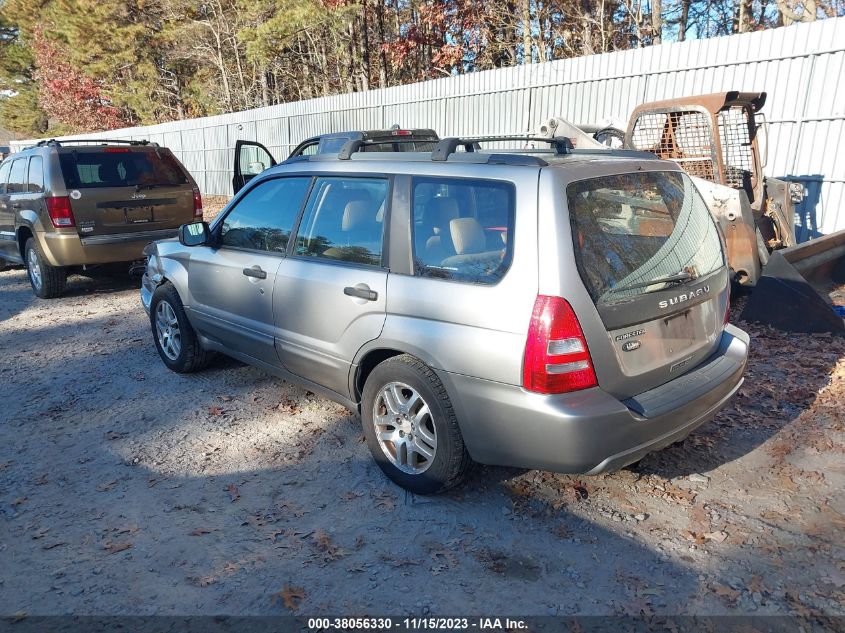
197,203
60,212
556,356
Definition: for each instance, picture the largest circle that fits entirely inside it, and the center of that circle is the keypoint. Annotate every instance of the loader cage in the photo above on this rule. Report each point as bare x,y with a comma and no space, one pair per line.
682,130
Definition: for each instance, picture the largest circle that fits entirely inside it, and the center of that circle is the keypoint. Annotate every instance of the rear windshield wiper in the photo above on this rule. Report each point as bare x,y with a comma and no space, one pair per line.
677,277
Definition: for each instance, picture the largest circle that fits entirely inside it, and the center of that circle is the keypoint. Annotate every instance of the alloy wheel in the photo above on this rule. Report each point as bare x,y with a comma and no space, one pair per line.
404,428
34,267
167,330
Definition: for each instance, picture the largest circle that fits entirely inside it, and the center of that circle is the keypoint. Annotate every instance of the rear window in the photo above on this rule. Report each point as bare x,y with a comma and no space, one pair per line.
120,167
631,230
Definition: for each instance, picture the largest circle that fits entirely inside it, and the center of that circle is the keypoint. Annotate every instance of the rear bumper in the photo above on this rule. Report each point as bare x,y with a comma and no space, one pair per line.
589,431
69,249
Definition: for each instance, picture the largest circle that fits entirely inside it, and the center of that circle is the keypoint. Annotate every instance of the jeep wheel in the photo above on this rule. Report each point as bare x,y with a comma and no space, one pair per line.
175,339
411,428
47,281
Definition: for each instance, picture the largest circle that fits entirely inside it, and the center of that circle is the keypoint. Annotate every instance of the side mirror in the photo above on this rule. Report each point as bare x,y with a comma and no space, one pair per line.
194,234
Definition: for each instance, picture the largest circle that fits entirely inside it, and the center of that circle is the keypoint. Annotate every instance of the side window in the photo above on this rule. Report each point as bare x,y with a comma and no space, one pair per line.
17,176
263,219
35,176
463,229
344,220
4,175
309,150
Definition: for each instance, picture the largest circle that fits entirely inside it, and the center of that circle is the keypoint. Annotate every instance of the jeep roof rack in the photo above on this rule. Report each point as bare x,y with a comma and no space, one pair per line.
96,141
354,145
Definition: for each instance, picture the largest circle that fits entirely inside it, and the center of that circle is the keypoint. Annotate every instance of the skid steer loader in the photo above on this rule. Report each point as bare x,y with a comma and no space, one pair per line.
715,138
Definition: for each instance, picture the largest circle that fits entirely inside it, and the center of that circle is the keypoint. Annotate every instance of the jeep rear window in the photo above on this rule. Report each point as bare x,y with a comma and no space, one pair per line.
120,167
631,229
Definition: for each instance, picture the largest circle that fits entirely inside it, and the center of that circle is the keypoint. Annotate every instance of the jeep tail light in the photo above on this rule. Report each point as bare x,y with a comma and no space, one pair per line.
197,204
60,213
556,356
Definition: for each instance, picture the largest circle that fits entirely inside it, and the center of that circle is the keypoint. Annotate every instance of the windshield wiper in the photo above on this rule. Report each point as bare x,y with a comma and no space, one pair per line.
677,277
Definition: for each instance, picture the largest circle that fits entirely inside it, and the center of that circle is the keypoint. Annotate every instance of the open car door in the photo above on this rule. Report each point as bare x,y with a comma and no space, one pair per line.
251,159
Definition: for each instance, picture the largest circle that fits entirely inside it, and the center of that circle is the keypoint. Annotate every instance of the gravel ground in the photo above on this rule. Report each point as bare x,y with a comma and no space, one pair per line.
127,489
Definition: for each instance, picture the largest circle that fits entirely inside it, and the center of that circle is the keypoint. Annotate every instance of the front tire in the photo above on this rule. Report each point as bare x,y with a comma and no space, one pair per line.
174,337
411,428
47,281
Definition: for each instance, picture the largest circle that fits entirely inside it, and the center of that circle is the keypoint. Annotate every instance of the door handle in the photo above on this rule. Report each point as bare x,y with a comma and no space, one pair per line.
361,293
256,272
16,205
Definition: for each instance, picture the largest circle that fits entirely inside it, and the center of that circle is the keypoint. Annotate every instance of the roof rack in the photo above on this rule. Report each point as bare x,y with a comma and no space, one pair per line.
96,141
448,146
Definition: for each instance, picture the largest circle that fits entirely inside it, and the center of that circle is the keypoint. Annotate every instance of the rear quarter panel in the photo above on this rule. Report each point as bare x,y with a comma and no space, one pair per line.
464,328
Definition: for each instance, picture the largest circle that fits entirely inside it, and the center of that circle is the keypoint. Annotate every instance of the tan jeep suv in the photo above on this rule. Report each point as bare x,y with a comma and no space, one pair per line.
71,204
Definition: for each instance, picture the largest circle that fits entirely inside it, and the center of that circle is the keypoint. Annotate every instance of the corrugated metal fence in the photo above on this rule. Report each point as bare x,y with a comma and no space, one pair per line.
802,67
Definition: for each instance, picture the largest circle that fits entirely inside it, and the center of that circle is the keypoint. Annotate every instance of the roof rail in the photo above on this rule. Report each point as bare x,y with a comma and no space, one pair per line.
97,141
448,146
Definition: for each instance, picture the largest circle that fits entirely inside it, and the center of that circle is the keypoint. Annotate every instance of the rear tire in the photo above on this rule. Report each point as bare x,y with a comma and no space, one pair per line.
47,281
174,337
418,443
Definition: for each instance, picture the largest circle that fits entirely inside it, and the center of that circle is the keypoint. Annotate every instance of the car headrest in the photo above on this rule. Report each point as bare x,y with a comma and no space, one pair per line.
439,212
107,172
358,214
467,236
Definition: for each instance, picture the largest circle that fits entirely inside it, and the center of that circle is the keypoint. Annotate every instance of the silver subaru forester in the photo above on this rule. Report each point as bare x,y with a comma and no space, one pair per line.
545,308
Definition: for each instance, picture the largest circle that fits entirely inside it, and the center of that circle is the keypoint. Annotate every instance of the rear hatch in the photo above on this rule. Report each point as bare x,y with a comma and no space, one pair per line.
117,190
651,258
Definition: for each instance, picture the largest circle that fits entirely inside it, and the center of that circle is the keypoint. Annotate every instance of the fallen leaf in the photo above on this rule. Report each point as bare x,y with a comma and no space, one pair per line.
5,465
18,616
324,544
723,591
105,487
215,411
233,491
225,398
52,545
718,537
114,548
692,536
755,585
19,501
290,596
200,532
386,500
205,581
113,435
40,533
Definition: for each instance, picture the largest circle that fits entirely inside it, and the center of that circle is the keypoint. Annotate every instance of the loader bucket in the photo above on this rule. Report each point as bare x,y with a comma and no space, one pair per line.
790,294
